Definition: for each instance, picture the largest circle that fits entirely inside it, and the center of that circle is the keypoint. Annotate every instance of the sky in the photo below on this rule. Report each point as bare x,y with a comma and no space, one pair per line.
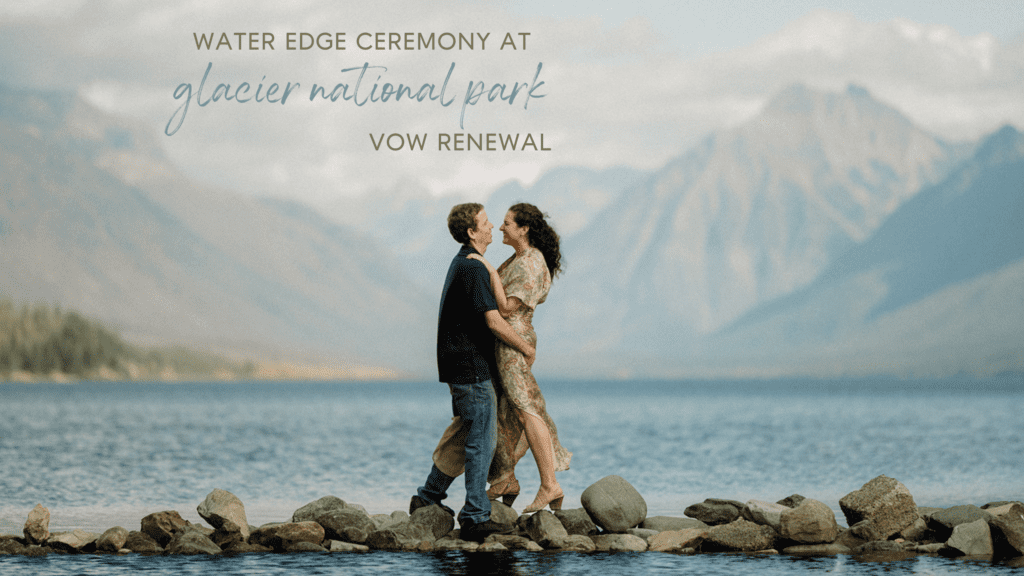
603,83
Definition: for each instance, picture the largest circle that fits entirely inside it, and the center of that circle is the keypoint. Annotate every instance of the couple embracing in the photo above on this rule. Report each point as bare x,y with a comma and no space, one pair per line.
485,348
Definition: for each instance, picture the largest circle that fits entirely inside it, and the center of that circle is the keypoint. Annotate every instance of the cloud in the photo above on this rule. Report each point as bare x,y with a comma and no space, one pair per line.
611,95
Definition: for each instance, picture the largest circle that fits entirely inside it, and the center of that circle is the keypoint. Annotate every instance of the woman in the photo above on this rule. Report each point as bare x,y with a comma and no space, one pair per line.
520,284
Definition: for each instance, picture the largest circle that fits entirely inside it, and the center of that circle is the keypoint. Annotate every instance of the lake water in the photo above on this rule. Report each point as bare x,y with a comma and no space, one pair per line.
105,454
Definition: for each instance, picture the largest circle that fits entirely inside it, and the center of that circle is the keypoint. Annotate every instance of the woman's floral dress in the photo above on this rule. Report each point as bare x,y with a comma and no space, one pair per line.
527,278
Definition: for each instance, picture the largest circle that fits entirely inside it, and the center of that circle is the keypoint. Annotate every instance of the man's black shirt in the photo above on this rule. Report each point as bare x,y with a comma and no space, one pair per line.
465,345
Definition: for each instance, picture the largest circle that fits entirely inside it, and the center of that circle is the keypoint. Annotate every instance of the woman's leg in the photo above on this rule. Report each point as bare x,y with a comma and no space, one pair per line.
539,438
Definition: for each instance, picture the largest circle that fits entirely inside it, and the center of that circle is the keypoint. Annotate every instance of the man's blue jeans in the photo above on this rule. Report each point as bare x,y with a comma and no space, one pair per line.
476,405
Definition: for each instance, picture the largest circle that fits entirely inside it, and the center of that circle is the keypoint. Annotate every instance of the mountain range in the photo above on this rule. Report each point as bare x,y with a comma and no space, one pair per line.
827,235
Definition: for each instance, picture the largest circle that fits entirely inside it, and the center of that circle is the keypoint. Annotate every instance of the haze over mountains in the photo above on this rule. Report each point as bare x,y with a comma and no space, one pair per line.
828,235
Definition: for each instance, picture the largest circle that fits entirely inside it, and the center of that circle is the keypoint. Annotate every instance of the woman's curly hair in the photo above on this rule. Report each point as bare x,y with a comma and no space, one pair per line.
541,235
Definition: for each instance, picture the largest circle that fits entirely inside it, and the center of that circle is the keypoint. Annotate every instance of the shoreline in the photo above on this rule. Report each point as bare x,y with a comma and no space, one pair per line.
882,516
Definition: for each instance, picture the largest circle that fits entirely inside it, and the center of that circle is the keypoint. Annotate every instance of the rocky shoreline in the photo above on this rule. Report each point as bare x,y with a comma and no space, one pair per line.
884,521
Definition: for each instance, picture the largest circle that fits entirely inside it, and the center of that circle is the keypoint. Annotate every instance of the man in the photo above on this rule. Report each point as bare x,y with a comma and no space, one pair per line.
467,324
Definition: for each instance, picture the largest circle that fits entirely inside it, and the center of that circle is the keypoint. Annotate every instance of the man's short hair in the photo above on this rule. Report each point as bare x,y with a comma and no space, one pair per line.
461,219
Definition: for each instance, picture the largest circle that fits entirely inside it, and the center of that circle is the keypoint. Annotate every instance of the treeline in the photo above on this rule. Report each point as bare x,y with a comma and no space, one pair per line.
44,339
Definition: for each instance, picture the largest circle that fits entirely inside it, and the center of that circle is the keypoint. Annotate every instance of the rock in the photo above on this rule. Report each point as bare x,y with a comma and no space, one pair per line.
1000,504
280,535
878,546
944,521
545,529
191,542
933,548
513,542
791,501
380,519
614,504
225,539
817,549
916,532
348,525
765,513
885,501
34,550
576,543
405,535
849,539
642,533
112,540
225,512
619,543
303,546
10,546
492,547
74,541
672,523
246,548
455,544
970,539
337,546
163,526
740,536
436,519
866,531
1008,531
37,526
576,521
676,540
314,510
812,522
502,514
715,511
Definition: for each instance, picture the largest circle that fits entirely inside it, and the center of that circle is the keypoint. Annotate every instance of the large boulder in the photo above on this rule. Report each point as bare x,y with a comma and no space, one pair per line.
280,536
74,541
403,535
715,511
739,536
884,501
112,540
545,529
765,513
614,504
142,543
676,540
576,521
191,541
1008,531
812,522
318,508
970,539
436,519
37,525
347,525
225,512
163,526
944,521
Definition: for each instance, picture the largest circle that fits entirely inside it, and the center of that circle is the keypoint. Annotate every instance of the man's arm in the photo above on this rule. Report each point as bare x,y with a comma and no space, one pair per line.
504,331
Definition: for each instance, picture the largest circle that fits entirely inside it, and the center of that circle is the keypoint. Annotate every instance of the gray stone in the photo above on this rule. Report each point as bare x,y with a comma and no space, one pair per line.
916,532
112,540
74,541
314,510
280,535
791,501
436,519
676,540
338,546
8,545
240,547
816,549
933,548
765,513
849,539
405,535
1000,504
503,514
37,526
492,547
971,539
162,526
715,511
577,521
614,504
812,522
303,546
545,529
191,542
878,546
619,543
348,525
866,531
1008,531
576,543
225,512
455,544
33,550
672,523
944,521
142,543
739,536
513,542
885,501
642,533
